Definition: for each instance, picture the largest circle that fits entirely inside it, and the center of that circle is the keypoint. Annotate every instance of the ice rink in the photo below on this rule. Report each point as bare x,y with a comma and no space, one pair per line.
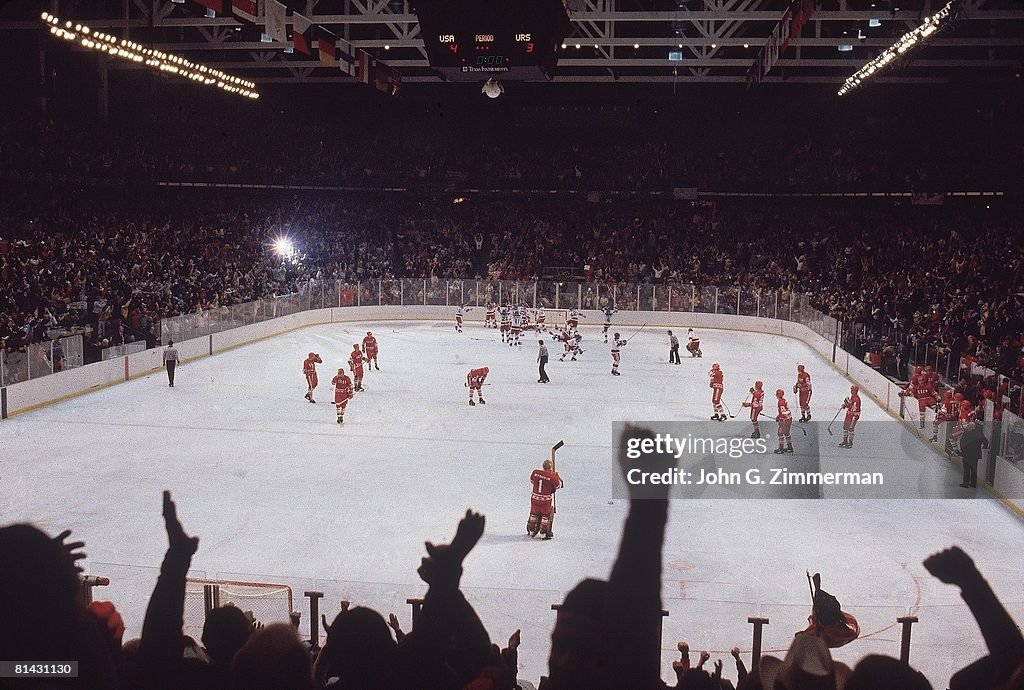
277,491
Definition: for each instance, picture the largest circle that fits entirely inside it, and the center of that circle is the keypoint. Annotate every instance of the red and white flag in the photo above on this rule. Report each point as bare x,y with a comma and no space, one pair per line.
302,30
246,10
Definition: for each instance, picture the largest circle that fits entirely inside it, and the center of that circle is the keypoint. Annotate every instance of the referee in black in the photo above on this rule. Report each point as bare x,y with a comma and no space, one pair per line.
542,359
673,353
170,361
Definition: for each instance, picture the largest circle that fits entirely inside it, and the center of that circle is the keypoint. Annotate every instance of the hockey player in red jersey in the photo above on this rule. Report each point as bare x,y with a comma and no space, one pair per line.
309,369
921,388
785,420
475,382
617,344
342,393
717,386
946,411
964,412
852,407
545,482
802,387
756,404
355,362
370,351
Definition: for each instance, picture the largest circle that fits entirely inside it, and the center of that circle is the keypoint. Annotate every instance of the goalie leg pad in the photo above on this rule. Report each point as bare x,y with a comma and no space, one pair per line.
533,525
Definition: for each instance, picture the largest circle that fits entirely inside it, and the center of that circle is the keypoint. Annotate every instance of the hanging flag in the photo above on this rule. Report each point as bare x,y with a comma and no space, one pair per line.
346,57
218,6
275,13
365,67
302,30
325,46
386,79
246,10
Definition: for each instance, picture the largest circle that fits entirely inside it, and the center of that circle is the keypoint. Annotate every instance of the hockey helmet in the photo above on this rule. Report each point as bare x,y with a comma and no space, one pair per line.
958,396
355,346
918,370
800,367
546,464
341,370
486,371
312,355
854,389
715,367
779,393
369,333
616,335
758,385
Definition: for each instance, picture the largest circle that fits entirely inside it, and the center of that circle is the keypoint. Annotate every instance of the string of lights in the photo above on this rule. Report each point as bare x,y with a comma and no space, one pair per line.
154,59
899,49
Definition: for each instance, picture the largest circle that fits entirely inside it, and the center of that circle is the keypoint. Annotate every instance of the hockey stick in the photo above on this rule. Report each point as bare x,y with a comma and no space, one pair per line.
635,332
726,406
554,448
829,427
802,430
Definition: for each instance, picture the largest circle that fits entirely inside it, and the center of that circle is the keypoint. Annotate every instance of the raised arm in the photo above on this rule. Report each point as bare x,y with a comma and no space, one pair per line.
160,652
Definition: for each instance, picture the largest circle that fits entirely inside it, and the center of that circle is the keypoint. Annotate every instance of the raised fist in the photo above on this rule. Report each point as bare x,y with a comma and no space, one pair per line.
952,566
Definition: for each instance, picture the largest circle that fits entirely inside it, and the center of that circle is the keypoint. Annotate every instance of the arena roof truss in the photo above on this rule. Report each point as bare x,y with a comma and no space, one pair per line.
611,40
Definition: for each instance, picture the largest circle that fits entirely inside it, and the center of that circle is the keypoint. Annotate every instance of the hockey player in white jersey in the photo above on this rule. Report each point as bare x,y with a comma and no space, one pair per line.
573,321
608,312
517,327
617,344
693,344
506,324
541,319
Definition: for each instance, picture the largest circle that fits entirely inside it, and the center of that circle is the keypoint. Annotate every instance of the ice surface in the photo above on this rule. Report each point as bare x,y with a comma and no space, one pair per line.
278,492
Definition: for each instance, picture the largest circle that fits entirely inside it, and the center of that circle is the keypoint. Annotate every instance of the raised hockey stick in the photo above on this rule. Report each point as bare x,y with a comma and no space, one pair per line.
635,332
553,449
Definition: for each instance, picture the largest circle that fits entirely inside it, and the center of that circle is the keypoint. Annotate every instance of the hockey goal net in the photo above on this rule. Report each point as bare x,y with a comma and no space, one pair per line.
554,317
268,602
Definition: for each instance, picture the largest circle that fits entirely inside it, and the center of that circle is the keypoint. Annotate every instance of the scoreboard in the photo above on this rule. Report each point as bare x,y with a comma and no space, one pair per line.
475,40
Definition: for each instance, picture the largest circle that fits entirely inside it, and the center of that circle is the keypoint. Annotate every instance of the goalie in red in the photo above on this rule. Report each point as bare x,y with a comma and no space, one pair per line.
475,382
828,621
342,393
370,351
355,362
542,515
309,369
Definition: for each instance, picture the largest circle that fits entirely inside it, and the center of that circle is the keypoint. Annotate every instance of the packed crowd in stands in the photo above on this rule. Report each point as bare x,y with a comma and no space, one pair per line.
863,153
606,633
914,279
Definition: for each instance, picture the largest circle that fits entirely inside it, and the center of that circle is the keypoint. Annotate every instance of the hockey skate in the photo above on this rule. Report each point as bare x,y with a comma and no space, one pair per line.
715,418
789,449
845,444
779,451
473,403
341,419
934,438
615,373
482,401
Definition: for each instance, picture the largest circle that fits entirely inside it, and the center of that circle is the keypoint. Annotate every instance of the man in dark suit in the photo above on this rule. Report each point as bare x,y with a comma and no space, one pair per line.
971,443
